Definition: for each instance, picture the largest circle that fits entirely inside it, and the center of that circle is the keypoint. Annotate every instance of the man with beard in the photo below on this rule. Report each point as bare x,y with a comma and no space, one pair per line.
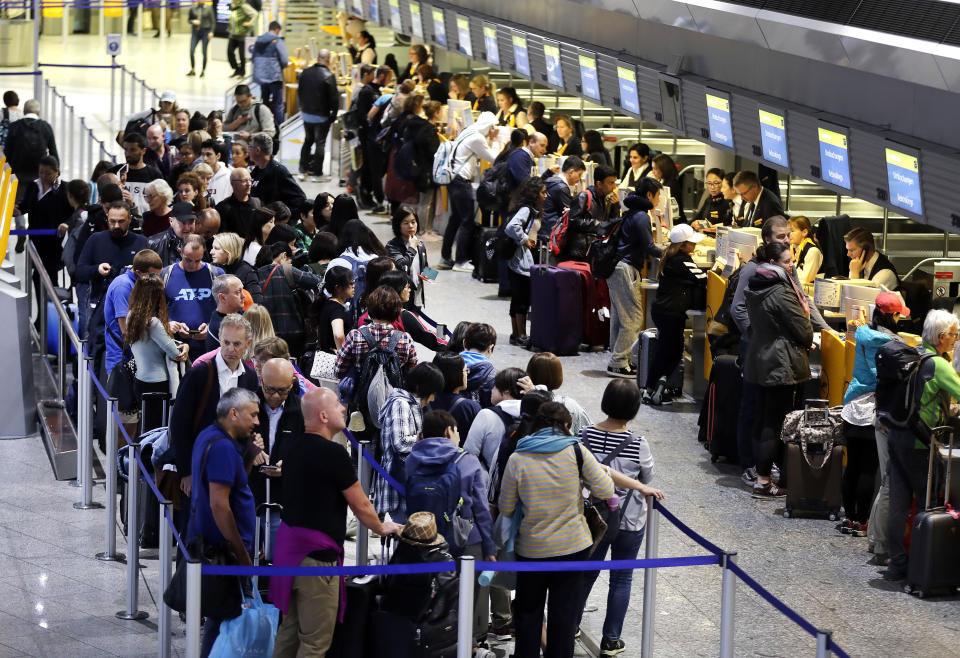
107,253
135,173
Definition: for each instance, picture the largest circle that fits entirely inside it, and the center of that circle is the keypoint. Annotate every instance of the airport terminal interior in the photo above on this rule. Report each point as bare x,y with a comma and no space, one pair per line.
845,110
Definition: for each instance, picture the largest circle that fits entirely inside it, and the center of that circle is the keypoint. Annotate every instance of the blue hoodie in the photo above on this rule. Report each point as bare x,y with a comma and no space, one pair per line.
473,485
480,375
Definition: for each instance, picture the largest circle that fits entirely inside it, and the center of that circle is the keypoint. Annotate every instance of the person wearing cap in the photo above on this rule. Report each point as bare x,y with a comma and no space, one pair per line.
474,143
866,440
681,283
106,253
183,221
164,115
781,334
319,482
636,246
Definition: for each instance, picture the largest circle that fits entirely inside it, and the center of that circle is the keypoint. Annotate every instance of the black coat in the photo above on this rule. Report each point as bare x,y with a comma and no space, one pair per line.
183,428
247,273
587,225
680,282
235,215
317,92
275,183
768,205
403,255
167,246
780,331
426,142
289,428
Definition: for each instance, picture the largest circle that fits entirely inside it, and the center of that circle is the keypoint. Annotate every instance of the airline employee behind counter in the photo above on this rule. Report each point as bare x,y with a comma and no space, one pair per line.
759,203
868,263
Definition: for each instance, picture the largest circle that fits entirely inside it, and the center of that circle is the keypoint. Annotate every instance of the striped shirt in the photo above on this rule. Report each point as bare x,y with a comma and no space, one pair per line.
548,486
635,461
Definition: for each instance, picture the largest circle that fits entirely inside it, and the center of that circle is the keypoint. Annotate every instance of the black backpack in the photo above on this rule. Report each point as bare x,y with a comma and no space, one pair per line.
384,356
508,444
26,152
405,162
138,125
902,373
494,187
602,253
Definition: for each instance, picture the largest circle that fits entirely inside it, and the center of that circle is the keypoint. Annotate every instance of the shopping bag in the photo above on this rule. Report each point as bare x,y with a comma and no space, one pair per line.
250,634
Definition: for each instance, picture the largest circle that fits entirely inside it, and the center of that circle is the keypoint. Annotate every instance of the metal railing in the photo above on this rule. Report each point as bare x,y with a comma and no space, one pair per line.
78,146
129,94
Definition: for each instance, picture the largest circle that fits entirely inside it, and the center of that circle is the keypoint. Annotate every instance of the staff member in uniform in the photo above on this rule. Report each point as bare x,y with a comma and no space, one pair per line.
759,203
714,208
640,165
868,263
807,257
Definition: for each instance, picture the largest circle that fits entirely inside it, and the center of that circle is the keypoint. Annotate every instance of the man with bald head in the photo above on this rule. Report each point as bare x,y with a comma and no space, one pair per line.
319,481
281,424
319,102
208,225
158,154
521,161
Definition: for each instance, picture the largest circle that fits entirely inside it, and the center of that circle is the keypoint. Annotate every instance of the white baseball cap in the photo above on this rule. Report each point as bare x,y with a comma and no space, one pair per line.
168,96
684,233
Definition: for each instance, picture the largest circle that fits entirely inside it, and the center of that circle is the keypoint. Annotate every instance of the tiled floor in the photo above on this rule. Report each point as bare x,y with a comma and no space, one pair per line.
56,600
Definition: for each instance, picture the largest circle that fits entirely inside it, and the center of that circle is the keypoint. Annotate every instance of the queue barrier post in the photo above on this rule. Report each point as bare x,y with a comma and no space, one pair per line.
42,314
83,395
166,537
133,550
728,600
85,443
649,581
363,534
193,608
465,611
823,643
123,96
110,537
113,86
61,360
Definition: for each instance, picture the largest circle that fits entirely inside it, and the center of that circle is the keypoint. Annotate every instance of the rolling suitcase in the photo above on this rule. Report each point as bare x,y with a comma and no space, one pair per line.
352,636
485,259
555,319
935,537
504,289
814,460
646,348
265,510
596,305
721,407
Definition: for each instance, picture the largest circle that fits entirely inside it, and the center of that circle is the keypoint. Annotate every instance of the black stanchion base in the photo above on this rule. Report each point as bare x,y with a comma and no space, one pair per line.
90,506
115,557
136,616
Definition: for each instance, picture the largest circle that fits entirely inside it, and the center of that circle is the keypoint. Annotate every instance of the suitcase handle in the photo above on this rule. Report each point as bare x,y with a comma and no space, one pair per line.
942,429
816,408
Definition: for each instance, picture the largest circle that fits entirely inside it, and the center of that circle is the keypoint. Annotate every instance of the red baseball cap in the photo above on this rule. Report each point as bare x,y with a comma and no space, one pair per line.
890,302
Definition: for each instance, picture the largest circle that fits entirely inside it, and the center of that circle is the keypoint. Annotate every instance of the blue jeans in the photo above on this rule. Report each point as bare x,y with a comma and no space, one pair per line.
272,95
625,546
202,37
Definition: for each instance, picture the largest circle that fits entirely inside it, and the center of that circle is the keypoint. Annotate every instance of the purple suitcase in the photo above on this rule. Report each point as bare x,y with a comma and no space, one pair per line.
556,321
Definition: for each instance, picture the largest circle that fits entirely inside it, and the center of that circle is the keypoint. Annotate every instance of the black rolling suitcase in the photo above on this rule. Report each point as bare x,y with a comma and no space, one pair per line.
814,461
352,638
721,408
935,540
485,257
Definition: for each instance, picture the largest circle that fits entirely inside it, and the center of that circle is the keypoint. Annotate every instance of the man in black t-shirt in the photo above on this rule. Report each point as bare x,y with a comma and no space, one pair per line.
319,481
135,173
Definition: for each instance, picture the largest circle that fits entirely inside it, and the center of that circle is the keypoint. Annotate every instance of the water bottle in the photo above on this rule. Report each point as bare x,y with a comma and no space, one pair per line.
485,577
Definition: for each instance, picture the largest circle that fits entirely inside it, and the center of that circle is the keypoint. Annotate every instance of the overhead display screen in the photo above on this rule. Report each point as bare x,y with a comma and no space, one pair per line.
374,11
903,177
395,22
718,115
463,35
834,155
773,137
671,107
627,80
490,44
521,60
589,83
439,29
551,53
416,19
358,7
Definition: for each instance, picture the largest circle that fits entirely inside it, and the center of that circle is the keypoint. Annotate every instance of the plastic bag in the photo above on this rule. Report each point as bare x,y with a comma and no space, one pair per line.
250,634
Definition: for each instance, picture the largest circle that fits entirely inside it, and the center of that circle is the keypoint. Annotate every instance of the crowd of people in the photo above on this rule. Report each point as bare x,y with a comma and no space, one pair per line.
203,271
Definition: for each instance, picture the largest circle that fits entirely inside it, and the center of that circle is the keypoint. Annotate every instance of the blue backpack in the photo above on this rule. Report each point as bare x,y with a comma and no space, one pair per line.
359,268
436,488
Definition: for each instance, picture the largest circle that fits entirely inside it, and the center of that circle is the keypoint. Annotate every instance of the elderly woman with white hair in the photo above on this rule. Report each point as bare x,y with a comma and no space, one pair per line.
908,465
158,196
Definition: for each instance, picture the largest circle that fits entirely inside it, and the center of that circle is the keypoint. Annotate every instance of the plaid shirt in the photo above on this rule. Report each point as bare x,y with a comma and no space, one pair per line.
401,420
355,348
277,298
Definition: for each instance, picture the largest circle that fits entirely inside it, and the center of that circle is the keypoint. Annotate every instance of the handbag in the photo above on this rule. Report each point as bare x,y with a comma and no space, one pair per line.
220,596
122,381
595,521
252,633
324,366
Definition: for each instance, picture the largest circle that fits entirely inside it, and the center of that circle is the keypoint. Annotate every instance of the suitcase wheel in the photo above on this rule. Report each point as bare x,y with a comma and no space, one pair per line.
786,513
833,516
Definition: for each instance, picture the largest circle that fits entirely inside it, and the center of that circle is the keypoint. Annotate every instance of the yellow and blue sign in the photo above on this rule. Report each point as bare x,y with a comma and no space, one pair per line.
490,44
834,157
463,35
439,28
374,10
627,80
521,59
903,180
395,21
773,137
718,116
589,83
416,19
551,53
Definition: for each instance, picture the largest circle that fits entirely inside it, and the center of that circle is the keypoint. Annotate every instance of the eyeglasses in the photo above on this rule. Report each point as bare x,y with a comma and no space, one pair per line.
273,390
714,183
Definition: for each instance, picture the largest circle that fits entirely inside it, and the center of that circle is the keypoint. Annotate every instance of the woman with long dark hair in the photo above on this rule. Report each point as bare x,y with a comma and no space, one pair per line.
344,209
665,171
262,221
593,148
526,207
408,251
511,109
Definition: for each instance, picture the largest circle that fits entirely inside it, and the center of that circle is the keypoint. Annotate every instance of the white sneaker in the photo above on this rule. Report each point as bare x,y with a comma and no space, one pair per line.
463,267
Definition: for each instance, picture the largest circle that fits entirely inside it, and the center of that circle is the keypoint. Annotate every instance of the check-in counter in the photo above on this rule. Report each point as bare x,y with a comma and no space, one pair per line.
716,289
694,382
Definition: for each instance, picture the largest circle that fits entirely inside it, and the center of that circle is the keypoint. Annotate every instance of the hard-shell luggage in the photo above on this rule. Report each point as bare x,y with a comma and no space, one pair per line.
351,637
398,636
596,305
504,289
555,319
646,348
814,457
721,408
935,538
485,258
265,510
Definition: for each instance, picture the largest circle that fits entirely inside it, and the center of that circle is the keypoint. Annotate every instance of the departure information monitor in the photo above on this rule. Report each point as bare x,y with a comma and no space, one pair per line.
395,22
834,155
490,44
718,114
627,80
903,177
521,60
589,83
463,35
551,53
773,137
439,28
416,19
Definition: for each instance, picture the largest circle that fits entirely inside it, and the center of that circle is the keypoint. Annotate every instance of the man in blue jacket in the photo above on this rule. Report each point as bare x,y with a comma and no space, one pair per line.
269,60
107,253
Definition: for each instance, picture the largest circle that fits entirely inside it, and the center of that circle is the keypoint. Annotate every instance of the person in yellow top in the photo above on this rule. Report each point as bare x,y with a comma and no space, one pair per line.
541,495
482,90
807,257
569,142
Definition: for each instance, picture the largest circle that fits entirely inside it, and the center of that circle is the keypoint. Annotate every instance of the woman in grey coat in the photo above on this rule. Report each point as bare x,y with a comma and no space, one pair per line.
780,337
